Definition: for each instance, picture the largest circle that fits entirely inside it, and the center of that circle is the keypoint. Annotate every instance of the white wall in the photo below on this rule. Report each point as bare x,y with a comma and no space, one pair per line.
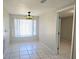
5,29
47,29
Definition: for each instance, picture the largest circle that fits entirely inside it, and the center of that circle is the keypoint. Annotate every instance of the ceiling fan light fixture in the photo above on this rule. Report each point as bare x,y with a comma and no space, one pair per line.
43,1
29,16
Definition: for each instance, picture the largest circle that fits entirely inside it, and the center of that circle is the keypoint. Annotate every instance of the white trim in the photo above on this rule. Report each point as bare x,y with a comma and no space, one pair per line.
58,27
73,28
66,8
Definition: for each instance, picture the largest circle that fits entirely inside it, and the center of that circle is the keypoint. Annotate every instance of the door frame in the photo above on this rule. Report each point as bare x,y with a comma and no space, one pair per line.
59,28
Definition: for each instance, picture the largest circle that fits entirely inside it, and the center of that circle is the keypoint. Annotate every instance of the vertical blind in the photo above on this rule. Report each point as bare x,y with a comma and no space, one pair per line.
25,27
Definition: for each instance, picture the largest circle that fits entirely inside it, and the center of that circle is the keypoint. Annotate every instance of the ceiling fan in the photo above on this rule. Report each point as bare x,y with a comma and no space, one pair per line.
43,1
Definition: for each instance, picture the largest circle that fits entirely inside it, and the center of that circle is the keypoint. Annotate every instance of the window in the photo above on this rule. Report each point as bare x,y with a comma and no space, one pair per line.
25,28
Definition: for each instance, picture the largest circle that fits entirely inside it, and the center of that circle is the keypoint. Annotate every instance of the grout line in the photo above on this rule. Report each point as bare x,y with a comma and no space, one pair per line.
36,52
28,54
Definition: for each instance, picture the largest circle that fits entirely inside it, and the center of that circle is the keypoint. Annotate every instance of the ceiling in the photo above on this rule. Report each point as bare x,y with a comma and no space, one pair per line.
23,6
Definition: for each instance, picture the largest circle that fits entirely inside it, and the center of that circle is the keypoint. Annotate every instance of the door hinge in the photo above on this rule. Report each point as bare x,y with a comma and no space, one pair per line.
58,33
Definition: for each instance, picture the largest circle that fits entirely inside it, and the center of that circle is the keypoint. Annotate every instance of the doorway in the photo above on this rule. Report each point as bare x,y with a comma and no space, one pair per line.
66,35
65,31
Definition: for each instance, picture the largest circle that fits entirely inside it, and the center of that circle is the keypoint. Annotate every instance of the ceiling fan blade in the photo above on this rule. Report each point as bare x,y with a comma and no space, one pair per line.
43,1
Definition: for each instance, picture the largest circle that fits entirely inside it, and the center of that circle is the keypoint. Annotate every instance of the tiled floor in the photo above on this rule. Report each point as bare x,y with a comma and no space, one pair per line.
28,51
31,51
65,48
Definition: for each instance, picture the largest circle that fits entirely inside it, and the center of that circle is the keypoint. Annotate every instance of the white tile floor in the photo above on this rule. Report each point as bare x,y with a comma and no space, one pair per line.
65,48
31,51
